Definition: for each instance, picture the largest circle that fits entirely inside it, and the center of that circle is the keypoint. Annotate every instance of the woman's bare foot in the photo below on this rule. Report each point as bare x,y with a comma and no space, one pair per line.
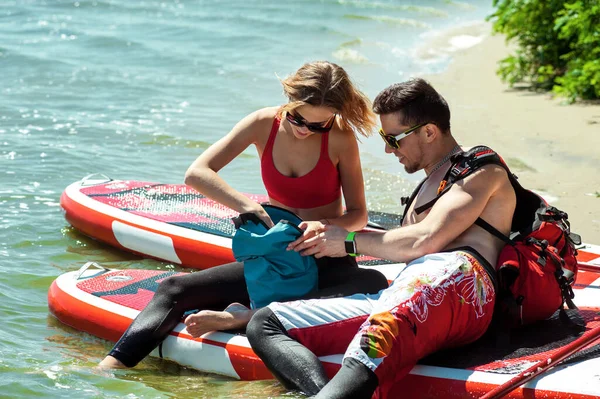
235,315
110,362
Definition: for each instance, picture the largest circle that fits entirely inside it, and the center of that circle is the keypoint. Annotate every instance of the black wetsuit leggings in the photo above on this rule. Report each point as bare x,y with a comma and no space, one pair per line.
217,287
299,369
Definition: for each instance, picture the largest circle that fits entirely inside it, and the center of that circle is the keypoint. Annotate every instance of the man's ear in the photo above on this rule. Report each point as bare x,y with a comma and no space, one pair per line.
431,132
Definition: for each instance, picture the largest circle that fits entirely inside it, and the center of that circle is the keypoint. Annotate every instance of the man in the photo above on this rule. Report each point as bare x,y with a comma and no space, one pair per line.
443,297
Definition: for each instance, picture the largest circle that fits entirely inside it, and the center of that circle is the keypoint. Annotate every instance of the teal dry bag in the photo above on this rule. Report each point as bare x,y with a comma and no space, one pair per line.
272,273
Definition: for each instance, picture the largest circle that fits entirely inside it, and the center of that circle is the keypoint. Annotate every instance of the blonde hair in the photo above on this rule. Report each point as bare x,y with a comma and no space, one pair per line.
322,83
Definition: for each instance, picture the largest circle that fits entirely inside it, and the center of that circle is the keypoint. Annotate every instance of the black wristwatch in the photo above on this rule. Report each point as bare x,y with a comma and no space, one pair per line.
350,244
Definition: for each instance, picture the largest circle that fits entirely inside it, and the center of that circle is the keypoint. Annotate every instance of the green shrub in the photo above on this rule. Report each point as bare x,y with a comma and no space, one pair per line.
558,45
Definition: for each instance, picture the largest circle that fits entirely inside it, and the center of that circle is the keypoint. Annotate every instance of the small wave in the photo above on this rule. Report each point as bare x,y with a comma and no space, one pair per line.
413,23
351,43
266,26
101,41
25,58
350,55
460,4
461,42
169,141
397,7
438,46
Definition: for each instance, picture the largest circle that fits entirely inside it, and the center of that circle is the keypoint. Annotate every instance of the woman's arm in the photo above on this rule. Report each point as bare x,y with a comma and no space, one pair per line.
356,217
202,174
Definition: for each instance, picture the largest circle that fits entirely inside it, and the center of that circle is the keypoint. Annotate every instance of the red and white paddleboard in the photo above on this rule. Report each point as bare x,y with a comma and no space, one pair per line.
103,302
175,223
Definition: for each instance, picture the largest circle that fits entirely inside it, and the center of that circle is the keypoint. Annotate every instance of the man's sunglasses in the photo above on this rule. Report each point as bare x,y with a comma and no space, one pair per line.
394,141
299,121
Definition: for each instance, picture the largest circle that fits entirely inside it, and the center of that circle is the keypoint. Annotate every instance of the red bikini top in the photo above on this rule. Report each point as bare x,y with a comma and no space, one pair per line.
320,186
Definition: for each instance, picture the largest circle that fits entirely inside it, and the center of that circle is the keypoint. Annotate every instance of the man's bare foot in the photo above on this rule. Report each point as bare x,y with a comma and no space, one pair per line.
110,362
234,316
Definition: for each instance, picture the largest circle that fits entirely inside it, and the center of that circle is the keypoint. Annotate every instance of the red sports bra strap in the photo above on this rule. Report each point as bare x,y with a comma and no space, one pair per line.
324,146
273,134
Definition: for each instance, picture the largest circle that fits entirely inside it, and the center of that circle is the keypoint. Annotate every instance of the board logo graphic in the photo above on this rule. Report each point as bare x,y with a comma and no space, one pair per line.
118,278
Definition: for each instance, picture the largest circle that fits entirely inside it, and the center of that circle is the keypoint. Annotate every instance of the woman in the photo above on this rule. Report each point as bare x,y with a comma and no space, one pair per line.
309,154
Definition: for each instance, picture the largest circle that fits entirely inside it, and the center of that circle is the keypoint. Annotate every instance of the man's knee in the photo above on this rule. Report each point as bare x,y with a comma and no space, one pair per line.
261,326
354,381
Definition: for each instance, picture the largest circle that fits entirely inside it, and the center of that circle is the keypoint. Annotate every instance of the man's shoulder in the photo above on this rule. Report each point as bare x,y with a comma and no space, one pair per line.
479,165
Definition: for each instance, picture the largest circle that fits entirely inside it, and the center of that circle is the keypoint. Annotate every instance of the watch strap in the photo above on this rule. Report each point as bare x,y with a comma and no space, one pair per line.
350,244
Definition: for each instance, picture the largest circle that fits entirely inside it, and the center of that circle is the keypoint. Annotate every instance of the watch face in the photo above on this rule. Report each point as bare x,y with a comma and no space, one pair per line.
349,247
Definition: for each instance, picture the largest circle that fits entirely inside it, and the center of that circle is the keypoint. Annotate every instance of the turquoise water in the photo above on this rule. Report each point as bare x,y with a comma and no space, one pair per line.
136,90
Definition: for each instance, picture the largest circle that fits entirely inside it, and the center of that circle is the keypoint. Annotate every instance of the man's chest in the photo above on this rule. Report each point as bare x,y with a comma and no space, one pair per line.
427,193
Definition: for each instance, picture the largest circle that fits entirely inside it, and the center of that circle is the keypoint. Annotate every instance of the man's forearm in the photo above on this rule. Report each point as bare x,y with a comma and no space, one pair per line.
400,245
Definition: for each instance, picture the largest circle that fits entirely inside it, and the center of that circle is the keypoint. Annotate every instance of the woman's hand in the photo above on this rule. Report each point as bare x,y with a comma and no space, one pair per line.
259,211
311,229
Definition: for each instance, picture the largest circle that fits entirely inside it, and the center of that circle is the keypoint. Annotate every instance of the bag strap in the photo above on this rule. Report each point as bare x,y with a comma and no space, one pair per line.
276,213
464,164
493,231
407,201
244,218
563,275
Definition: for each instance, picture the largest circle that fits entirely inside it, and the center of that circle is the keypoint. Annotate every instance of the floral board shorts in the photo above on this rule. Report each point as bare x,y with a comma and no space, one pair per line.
438,301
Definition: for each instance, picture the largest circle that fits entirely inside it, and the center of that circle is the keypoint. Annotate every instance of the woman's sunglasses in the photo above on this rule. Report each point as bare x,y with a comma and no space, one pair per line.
299,121
394,141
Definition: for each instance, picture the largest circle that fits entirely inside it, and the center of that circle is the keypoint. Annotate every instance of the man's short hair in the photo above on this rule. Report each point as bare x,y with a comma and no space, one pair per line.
418,101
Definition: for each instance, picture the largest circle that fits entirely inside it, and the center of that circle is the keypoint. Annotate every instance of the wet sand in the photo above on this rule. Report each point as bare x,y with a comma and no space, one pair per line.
553,148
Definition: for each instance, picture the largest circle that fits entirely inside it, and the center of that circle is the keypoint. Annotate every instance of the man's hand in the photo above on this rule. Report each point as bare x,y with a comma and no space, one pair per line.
328,242
311,229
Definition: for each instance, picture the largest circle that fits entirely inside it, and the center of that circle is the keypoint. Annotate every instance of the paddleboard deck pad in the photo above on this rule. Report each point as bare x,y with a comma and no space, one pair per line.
171,222
103,303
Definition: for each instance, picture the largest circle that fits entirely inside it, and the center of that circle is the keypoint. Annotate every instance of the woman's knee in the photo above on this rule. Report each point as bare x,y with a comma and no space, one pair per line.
374,281
170,289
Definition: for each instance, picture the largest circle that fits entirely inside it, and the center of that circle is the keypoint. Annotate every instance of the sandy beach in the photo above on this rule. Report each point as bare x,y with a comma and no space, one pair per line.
553,148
